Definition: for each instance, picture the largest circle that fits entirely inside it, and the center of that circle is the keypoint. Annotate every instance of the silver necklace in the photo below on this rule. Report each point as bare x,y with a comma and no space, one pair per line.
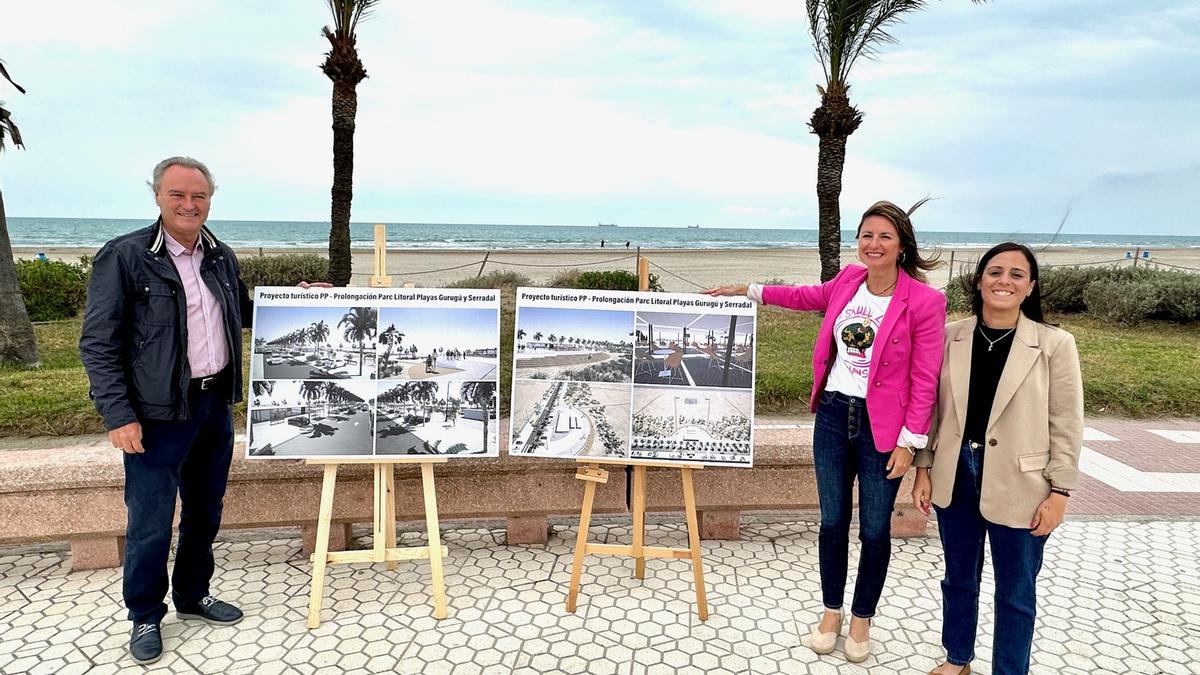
991,342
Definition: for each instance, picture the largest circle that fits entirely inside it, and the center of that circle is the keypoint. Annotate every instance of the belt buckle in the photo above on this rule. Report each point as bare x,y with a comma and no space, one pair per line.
207,382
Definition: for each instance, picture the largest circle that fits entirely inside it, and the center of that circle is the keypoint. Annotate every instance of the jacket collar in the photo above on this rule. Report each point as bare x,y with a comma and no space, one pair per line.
1021,357
158,242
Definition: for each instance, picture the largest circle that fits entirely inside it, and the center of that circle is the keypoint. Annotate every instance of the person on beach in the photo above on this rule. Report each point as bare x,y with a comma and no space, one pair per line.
875,367
161,343
1003,455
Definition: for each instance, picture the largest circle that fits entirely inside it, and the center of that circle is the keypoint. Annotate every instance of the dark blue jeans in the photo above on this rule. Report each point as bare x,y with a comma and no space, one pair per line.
189,459
844,448
1016,561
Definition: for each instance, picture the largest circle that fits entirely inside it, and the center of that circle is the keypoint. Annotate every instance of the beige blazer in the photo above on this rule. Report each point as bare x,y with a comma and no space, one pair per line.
1035,428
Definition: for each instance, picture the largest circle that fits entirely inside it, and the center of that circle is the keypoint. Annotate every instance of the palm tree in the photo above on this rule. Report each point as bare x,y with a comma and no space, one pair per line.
312,392
360,323
842,31
317,333
343,67
17,344
483,395
423,392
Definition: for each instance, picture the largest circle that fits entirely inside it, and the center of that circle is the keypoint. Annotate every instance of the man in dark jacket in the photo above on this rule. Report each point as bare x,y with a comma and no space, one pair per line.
162,345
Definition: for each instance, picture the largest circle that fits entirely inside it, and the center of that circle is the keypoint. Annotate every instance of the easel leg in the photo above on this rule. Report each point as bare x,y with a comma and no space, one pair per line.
389,511
379,536
639,520
435,542
321,552
585,519
689,501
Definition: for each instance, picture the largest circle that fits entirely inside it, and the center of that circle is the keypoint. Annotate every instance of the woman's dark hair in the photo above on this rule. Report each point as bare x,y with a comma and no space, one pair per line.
910,259
1030,306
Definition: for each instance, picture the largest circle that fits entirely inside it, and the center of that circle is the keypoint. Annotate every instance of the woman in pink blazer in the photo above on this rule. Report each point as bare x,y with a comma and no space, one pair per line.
875,364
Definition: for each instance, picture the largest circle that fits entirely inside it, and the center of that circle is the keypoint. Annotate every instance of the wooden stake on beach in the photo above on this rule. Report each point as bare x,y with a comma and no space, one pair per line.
380,278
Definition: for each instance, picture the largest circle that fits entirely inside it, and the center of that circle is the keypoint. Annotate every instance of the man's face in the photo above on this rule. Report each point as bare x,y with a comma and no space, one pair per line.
183,199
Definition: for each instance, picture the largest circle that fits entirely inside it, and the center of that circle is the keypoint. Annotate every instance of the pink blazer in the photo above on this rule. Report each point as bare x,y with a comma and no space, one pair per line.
907,358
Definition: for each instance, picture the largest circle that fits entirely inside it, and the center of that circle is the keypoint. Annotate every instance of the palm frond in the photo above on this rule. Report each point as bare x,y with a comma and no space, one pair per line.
347,14
844,30
7,126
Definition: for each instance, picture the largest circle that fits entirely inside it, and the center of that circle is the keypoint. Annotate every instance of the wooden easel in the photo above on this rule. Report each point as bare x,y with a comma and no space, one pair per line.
384,549
590,472
384,518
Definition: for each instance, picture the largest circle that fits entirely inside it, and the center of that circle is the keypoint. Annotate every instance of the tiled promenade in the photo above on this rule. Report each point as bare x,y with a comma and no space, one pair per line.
1120,593
1117,597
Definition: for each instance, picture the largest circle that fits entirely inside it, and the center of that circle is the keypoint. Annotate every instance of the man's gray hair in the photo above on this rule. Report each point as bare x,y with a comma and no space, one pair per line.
156,182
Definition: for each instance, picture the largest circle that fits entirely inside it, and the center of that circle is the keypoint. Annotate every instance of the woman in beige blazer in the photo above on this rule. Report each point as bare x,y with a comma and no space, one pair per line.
1003,455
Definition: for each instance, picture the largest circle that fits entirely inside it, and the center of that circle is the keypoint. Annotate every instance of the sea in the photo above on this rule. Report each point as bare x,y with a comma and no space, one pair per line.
93,232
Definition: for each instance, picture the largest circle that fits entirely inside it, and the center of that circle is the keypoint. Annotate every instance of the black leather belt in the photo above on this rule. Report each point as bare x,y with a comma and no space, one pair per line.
208,382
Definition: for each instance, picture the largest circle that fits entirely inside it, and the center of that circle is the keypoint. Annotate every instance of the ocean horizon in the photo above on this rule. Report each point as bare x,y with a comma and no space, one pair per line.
93,232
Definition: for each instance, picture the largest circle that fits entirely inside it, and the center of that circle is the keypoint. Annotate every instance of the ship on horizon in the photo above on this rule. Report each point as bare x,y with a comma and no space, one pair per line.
606,224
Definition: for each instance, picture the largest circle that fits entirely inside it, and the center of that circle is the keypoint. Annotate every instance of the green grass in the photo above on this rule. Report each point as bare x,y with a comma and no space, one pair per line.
1148,371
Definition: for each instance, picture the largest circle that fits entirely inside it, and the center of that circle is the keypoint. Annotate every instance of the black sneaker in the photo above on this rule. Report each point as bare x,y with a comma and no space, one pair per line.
145,643
211,610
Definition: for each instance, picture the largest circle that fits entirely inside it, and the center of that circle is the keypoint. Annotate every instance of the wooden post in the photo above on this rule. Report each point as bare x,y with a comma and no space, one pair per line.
384,526
1137,254
950,277
482,264
643,274
380,278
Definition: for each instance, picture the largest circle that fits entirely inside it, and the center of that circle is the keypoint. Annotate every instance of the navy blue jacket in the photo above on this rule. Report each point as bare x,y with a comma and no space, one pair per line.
134,339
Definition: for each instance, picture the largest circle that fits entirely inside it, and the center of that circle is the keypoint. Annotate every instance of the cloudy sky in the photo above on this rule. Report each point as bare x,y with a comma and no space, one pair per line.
640,112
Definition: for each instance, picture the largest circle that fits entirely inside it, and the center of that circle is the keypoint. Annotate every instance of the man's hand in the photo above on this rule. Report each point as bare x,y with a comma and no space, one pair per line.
899,462
315,284
128,438
1049,515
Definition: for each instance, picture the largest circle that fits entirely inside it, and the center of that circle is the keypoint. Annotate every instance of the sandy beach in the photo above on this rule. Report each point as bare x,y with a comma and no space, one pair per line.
679,270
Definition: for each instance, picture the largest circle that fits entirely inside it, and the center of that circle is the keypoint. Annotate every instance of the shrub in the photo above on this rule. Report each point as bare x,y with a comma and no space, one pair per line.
601,280
1169,296
503,279
283,270
1064,290
1127,303
53,289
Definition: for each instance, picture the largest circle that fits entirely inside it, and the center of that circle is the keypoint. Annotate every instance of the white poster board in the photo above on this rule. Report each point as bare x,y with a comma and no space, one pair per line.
653,377
357,372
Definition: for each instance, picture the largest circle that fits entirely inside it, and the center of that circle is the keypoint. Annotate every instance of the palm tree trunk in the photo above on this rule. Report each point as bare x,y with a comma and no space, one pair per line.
17,344
345,108
831,157
833,122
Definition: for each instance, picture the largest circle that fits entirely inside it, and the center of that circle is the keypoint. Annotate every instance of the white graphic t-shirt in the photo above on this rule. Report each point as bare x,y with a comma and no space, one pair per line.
854,334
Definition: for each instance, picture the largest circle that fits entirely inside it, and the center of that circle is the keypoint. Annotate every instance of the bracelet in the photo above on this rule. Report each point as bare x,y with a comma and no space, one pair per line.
1060,491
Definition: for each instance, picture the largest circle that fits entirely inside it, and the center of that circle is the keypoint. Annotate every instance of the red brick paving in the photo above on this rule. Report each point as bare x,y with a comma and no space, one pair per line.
1142,450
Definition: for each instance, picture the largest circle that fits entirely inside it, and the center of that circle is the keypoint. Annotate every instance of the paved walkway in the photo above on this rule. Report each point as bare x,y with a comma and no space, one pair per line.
1116,597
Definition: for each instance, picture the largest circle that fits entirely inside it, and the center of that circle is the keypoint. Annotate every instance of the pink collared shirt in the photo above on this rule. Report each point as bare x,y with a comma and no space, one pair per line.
207,351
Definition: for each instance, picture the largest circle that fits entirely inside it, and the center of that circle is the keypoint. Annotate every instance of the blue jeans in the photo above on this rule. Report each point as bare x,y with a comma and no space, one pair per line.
1016,561
189,458
843,448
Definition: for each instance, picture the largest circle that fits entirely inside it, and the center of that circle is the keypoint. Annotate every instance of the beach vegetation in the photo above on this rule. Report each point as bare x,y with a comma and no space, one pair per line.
842,31
502,279
602,280
1120,295
17,341
345,69
53,289
283,270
